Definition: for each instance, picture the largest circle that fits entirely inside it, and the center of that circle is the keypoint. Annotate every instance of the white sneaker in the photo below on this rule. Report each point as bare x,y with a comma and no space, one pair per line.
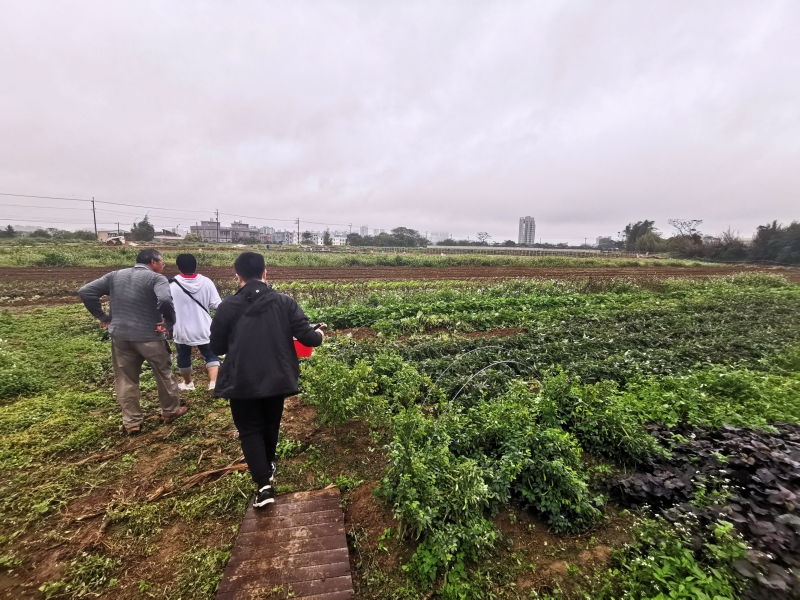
186,387
212,385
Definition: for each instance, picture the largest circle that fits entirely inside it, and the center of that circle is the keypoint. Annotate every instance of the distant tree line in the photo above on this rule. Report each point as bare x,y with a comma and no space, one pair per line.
773,242
399,237
50,233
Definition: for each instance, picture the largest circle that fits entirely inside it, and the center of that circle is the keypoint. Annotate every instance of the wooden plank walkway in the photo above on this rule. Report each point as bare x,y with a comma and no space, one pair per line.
298,545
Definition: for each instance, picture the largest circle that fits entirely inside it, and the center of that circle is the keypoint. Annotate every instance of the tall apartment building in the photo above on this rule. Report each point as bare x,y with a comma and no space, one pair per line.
527,231
363,231
438,236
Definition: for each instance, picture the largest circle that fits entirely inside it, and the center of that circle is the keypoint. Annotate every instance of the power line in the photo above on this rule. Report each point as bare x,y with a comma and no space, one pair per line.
44,197
56,221
181,210
106,211
29,206
256,218
102,202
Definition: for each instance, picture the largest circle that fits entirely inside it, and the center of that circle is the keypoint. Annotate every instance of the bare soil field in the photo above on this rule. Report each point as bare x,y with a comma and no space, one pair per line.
84,274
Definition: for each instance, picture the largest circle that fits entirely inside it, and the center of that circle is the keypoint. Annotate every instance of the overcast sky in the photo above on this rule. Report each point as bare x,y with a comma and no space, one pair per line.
441,116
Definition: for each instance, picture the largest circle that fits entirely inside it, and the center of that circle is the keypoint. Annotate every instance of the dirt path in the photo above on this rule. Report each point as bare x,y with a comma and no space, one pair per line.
346,274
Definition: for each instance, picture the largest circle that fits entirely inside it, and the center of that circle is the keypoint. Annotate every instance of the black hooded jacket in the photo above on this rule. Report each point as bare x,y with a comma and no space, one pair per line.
254,330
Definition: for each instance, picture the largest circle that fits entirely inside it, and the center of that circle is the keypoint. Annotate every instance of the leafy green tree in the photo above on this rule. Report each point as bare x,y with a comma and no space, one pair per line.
633,231
143,231
649,242
247,240
41,233
403,236
355,239
307,237
327,240
609,243
8,232
400,236
776,243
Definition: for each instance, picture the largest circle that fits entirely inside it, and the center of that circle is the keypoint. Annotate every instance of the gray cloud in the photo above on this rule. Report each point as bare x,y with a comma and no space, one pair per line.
458,116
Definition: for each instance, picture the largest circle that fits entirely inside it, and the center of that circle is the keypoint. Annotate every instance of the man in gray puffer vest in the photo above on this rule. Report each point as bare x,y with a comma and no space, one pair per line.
141,314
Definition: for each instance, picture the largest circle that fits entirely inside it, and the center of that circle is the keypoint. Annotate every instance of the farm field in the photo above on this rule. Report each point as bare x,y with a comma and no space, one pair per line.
21,286
552,433
25,253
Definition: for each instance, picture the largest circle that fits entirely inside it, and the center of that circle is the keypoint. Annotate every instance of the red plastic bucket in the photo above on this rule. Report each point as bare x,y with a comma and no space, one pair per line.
302,351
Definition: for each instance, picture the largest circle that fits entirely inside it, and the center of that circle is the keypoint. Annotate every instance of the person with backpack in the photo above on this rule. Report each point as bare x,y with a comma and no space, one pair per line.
141,313
255,330
195,296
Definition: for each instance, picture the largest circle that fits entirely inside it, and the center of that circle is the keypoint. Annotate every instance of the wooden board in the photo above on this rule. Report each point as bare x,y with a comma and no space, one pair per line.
296,545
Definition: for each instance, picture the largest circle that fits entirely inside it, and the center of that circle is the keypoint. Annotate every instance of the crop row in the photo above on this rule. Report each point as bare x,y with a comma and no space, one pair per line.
524,303
475,422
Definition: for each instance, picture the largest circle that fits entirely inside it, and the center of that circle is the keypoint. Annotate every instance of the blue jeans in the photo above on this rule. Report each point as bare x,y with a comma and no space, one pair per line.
185,357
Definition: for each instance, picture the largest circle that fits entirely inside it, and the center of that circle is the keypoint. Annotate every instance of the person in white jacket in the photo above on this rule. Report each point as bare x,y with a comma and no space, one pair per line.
195,296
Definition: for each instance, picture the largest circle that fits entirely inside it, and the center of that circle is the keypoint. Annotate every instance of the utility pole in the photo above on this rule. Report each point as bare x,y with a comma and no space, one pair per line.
298,230
118,233
217,213
94,216
351,228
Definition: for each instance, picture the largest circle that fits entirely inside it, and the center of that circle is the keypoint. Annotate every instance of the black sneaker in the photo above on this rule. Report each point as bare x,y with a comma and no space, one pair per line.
266,495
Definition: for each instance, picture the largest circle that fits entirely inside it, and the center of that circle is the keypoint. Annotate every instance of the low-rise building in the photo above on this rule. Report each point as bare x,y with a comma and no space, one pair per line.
284,237
166,234
213,231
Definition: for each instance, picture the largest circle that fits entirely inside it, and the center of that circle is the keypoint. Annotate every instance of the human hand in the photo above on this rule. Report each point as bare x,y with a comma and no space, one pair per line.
105,324
161,328
319,327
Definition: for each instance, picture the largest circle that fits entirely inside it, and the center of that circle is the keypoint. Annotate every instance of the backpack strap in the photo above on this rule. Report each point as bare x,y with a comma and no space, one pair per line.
188,293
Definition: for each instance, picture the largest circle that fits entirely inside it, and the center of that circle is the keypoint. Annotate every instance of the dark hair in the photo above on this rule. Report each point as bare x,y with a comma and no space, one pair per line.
187,263
249,265
148,255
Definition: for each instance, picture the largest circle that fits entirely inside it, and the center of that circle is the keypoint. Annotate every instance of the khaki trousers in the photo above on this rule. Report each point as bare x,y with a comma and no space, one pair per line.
128,358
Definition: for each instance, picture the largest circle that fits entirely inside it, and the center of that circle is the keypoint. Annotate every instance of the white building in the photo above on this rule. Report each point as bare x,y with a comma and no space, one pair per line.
284,237
363,231
378,231
527,231
436,237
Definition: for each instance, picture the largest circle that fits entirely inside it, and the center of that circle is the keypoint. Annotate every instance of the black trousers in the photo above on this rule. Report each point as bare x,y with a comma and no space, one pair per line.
258,421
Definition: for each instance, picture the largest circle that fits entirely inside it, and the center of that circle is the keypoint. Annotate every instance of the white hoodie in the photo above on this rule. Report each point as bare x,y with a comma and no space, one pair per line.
193,324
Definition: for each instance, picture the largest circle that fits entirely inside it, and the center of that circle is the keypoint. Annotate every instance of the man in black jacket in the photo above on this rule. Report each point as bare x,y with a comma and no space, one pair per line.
254,329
